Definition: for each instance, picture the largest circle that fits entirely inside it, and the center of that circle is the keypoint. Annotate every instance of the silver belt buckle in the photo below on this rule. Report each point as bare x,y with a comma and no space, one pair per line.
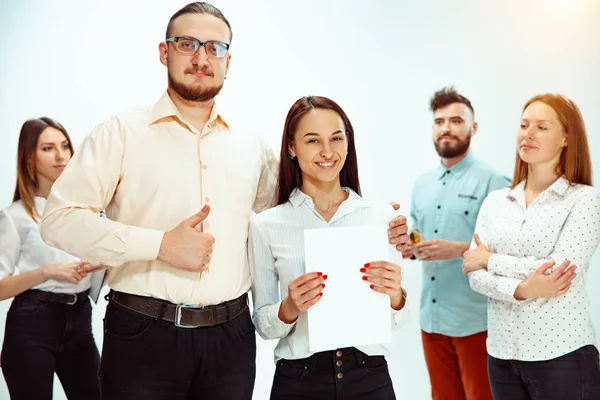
178,315
74,301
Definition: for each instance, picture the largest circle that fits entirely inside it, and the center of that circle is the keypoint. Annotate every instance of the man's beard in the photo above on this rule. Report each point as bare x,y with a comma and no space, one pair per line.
460,148
195,94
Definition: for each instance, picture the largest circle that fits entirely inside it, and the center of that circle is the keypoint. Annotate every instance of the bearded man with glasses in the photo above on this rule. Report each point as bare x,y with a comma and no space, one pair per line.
177,324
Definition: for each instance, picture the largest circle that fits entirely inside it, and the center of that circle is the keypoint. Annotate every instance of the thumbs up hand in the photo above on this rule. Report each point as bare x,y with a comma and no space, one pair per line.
477,258
186,247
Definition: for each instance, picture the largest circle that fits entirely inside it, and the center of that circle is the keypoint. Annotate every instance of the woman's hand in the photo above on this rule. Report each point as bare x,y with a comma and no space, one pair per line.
303,293
477,258
71,272
540,285
386,278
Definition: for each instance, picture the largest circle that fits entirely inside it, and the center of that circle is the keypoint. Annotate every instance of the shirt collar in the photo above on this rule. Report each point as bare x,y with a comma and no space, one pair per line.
165,108
458,169
40,204
559,187
517,191
298,197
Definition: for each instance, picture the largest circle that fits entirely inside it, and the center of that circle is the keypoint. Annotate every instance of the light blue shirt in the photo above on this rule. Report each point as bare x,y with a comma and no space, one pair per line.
276,255
445,205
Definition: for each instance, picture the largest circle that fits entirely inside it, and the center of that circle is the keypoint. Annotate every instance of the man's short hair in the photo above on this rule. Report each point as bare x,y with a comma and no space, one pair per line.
447,96
199,7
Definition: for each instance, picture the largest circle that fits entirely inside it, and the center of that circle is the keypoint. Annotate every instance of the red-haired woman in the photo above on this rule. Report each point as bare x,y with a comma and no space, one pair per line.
532,250
48,326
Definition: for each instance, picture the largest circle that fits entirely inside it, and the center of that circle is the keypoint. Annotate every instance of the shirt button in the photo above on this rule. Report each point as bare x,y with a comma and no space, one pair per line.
439,207
435,231
466,213
433,279
206,199
338,353
433,301
340,375
338,363
444,183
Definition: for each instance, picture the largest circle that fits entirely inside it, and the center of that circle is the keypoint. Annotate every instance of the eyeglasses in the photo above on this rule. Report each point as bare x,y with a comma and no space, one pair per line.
189,46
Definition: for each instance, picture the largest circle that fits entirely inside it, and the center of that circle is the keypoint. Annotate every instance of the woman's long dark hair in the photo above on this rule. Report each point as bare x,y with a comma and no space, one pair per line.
290,176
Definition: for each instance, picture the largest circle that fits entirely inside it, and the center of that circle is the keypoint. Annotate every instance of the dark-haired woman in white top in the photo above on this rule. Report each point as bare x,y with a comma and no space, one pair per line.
318,187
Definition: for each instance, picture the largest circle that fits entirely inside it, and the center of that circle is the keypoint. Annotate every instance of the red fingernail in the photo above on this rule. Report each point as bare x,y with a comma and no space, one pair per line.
322,285
319,273
321,294
367,264
363,270
324,277
372,286
365,278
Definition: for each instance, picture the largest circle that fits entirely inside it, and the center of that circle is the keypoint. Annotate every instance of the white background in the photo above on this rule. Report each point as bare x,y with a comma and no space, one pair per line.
82,61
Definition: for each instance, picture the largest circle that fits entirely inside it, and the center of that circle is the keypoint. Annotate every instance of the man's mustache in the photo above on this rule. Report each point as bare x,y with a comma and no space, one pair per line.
203,70
445,136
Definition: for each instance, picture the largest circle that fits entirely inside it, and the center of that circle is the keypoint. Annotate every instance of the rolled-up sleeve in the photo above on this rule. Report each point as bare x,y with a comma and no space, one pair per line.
71,218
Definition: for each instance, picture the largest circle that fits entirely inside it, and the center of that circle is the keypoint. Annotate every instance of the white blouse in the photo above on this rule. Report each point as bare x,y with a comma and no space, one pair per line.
22,248
562,223
276,255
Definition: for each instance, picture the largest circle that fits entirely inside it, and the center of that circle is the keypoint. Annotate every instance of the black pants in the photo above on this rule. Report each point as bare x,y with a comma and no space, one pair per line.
574,376
151,359
342,374
42,338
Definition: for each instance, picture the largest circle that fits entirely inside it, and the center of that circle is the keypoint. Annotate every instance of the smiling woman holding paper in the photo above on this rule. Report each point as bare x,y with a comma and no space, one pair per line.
48,327
318,187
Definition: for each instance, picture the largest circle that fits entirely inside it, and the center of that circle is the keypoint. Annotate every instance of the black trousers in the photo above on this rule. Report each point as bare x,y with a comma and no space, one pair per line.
152,359
42,338
342,374
574,376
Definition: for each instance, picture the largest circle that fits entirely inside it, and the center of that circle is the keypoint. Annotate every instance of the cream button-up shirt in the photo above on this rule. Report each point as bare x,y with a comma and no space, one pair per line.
150,170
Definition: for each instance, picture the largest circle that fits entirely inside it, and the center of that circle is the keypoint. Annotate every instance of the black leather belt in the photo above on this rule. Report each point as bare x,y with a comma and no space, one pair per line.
184,316
62,298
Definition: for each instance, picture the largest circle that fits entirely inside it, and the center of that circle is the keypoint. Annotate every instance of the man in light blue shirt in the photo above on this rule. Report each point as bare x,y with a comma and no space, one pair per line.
445,204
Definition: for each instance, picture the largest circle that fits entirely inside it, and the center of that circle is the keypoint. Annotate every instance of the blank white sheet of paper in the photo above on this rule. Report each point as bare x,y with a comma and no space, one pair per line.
350,313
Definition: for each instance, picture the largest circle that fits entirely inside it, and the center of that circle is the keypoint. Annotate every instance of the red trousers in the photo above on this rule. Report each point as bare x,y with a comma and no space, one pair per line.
457,366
